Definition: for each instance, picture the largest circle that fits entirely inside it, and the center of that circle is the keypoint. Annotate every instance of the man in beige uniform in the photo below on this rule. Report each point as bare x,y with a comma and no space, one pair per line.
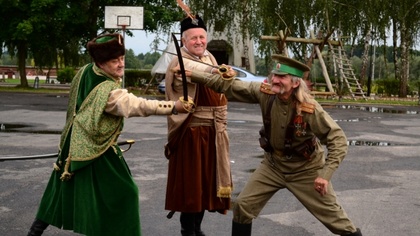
292,140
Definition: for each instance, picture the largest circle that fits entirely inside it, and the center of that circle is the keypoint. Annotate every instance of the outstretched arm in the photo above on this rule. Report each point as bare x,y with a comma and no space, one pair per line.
123,103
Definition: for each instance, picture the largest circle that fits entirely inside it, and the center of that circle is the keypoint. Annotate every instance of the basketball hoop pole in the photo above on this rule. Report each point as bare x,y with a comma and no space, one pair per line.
123,78
122,17
123,22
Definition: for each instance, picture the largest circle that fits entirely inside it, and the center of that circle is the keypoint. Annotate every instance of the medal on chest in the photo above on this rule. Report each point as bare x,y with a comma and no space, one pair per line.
300,125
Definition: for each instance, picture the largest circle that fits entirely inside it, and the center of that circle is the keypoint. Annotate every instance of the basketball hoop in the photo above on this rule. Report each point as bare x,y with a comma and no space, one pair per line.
123,21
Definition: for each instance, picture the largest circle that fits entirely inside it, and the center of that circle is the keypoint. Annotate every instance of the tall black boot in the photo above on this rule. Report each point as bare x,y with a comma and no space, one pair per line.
357,233
37,228
241,229
187,224
198,219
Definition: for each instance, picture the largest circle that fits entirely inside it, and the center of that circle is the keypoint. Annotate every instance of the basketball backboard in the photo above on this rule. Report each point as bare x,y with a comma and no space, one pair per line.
118,17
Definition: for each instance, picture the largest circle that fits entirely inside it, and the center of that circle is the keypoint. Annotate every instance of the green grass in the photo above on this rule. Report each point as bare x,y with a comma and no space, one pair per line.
30,81
380,101
153,93
18,89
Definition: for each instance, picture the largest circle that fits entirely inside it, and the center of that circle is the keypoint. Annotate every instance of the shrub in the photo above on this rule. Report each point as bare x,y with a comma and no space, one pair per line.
66,75
137,78
390,87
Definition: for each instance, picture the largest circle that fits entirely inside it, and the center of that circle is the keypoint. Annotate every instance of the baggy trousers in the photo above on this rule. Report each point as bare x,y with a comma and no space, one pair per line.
267,180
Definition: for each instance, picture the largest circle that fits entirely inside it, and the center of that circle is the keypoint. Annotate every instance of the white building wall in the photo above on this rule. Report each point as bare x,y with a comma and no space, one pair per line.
239,51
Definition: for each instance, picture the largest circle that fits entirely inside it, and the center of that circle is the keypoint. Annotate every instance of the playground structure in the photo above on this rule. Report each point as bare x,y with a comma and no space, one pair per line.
342,70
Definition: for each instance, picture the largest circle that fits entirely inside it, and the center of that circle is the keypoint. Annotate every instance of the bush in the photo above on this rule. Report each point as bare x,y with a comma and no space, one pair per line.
414,87
389,87
137,78
66,75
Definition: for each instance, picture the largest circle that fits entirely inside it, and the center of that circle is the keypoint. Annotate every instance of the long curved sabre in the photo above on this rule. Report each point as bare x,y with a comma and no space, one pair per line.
51,155
191,59
182,68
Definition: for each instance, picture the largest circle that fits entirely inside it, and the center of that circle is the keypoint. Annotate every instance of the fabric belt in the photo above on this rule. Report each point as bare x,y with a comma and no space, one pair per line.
217,116
205,116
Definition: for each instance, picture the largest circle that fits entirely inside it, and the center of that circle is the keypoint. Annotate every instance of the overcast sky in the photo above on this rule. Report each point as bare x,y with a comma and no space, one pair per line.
141,43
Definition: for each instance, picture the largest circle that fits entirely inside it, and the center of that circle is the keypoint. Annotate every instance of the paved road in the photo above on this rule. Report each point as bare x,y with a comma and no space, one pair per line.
378,183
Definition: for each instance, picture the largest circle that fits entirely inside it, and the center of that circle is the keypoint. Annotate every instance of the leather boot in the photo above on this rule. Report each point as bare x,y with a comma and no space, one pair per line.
37,228
198,219
241,229
187,224
357,233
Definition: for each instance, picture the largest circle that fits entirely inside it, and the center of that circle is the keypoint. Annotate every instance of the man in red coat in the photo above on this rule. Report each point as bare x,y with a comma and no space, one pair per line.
199,175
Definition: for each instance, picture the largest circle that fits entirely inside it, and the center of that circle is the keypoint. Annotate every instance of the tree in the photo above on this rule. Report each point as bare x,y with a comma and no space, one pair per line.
131,61
55,31
354,20
405,27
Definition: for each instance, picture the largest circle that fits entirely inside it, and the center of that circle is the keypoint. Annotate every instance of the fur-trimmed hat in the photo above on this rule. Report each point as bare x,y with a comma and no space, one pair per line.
189,23
286,65
106,47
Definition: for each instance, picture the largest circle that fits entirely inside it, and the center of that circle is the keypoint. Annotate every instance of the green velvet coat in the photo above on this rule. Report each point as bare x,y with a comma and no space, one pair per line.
101,197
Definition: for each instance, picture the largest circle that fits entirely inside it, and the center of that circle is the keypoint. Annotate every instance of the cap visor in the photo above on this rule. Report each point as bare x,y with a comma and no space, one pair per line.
279,73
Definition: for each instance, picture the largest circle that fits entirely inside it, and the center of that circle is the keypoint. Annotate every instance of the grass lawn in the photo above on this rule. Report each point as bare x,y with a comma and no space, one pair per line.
380,101
154,93
13,85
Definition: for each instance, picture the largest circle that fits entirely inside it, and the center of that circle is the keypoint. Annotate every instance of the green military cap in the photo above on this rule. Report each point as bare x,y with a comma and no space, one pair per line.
285,65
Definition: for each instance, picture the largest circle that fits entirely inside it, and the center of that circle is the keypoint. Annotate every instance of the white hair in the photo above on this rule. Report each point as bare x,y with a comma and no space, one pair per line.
301,94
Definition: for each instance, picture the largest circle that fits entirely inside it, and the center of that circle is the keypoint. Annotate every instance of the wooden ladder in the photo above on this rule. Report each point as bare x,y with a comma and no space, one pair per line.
347,75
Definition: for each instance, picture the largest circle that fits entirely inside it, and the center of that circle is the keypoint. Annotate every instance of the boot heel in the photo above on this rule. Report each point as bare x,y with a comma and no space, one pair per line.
241,229
37,228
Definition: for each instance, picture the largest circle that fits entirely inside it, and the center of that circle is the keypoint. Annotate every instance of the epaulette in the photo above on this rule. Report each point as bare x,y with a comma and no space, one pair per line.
308,107
266,88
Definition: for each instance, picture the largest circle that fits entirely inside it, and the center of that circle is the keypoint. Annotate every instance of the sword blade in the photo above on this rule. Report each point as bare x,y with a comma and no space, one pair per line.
11,158
51,155
181,65
171,53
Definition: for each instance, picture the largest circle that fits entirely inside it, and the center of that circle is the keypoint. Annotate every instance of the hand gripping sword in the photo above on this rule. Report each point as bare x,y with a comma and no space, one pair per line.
187,102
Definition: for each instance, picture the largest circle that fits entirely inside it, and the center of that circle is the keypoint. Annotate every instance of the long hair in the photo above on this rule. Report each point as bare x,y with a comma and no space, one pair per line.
301,94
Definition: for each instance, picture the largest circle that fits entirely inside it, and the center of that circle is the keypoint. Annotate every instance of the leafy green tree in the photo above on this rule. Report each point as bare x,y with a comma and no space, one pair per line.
151,58
131,61
355,22
54,32
406,28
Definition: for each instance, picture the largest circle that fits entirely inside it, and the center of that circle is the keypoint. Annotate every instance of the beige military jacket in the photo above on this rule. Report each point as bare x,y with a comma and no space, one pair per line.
319,123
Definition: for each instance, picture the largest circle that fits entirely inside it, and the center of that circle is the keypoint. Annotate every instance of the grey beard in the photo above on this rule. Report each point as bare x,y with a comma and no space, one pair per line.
282,91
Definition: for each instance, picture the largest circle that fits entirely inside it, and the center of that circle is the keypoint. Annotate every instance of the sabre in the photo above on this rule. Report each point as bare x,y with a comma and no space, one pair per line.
51,155
221,69
181,65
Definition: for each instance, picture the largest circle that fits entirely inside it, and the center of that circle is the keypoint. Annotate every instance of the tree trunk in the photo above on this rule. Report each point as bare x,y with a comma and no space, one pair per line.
365,57
405,44
395,47
22,54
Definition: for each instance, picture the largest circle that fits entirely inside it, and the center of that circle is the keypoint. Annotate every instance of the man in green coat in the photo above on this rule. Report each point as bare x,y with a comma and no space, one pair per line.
295,129
91,190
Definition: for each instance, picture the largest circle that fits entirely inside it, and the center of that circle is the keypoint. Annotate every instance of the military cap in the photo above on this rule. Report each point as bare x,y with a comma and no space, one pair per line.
189,23
285,65
106,47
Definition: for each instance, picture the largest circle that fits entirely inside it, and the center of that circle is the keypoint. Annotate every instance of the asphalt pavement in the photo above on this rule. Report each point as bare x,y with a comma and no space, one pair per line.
378,183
